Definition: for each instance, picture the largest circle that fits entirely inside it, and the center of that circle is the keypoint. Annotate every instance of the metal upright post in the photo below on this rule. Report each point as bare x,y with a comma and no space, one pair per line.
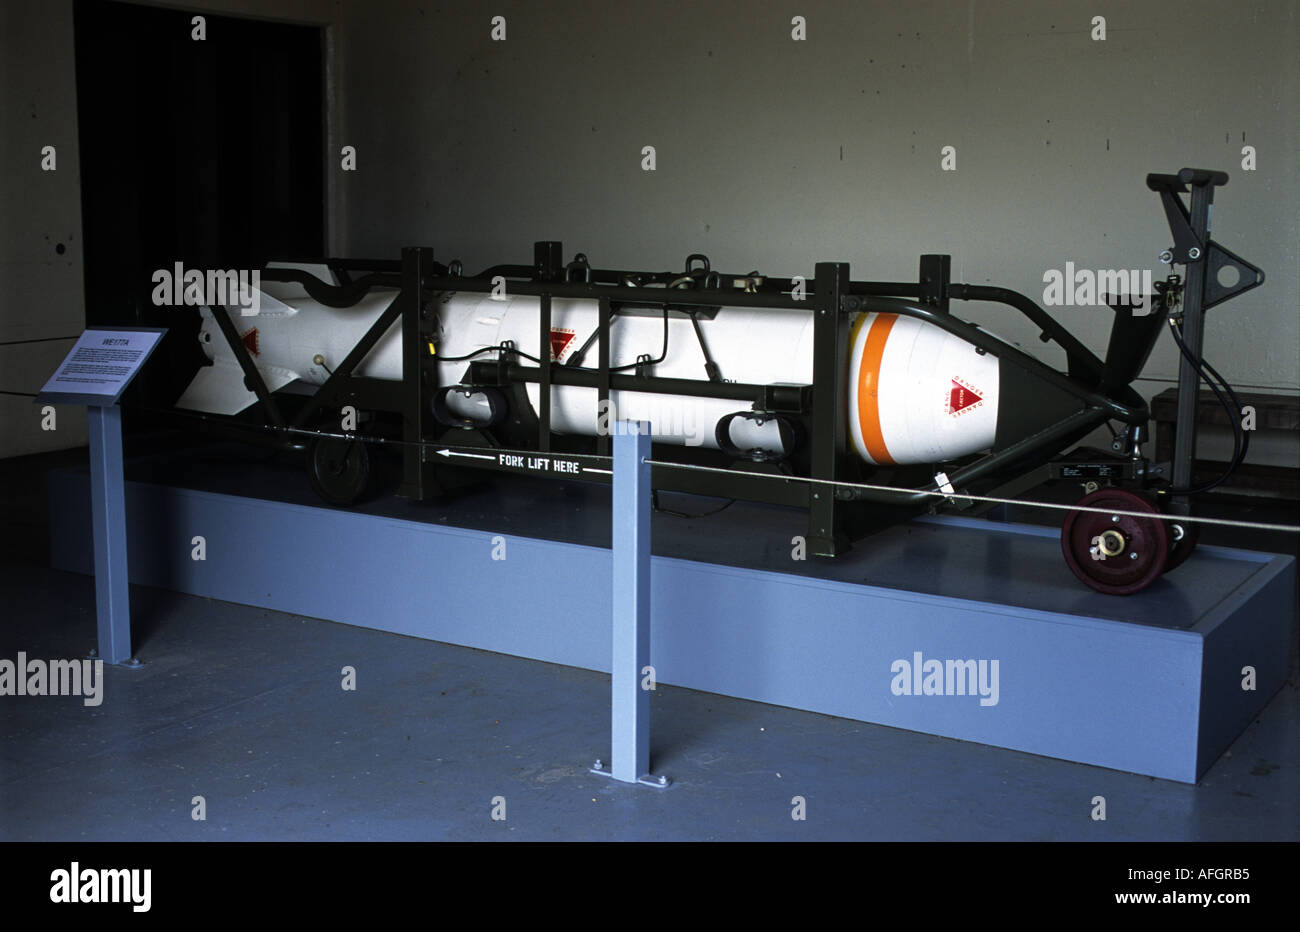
604,405
544,382
1189,380
1203,259
830,378
416,476
108,521
629,701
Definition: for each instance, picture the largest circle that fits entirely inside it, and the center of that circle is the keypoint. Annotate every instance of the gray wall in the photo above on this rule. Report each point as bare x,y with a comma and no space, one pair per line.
772,154
41,291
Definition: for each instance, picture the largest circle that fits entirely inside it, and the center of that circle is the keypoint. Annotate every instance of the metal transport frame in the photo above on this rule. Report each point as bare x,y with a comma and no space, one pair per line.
1052,409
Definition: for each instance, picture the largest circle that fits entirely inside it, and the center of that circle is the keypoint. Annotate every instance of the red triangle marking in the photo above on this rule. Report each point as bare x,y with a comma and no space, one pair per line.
560,340
960,397
250,342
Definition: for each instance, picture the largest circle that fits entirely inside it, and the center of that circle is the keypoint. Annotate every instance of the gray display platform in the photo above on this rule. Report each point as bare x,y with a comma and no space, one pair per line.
1028,657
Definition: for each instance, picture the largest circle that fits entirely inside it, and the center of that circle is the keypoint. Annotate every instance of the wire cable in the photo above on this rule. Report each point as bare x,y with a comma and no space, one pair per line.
836,483
969,496
654,503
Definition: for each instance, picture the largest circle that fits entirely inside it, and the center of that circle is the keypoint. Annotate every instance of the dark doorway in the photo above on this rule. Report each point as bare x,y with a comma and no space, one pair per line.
208,153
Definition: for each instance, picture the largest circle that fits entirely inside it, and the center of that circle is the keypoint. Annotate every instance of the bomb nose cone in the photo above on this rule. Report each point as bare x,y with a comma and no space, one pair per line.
918,394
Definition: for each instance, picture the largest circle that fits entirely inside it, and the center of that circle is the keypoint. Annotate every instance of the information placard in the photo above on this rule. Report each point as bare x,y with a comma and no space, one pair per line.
100,366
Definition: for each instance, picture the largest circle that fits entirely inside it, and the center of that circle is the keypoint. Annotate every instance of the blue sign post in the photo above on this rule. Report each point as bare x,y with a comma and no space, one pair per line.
108,513
95,373
631,675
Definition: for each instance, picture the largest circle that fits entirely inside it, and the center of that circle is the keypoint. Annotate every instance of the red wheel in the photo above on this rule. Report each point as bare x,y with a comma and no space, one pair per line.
1116,553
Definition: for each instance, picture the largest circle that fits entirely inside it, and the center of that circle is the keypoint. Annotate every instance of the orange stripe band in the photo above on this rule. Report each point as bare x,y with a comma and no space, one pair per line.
869,388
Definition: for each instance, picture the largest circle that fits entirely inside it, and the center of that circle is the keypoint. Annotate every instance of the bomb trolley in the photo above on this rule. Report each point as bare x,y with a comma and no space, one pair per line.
1041,410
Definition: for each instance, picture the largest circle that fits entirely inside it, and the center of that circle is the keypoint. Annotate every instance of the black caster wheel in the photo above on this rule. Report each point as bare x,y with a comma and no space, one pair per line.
339,469
1183,538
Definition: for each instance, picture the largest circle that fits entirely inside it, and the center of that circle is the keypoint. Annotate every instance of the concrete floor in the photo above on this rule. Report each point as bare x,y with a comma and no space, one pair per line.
243,707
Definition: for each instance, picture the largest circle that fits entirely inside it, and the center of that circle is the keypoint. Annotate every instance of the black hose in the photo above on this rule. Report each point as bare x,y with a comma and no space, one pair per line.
489,349
1240,441
653,362
1245,435
486,349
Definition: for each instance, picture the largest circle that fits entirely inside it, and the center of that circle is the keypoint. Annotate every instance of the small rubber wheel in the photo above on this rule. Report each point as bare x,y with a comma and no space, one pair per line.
339,469
1116,554
1181,545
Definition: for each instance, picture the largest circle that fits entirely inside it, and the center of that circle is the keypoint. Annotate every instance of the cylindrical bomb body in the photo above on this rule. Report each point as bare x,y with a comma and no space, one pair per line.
748,345
289,333
916,394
